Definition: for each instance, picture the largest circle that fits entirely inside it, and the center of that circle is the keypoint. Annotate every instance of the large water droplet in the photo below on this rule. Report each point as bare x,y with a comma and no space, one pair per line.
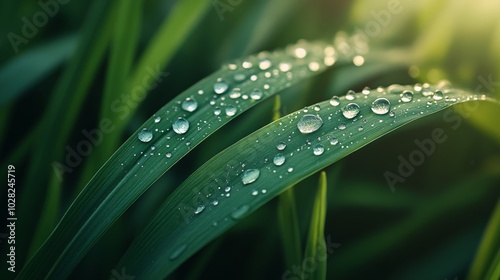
240,212
366,91
157,119
189,104
145,135
250,176
438,95
220,87
217,111
309,123
318,149
279,159
177,252
180,126
334,141
281,146
350,110
231,110
256,94
381,106
335,101
199,209
407,96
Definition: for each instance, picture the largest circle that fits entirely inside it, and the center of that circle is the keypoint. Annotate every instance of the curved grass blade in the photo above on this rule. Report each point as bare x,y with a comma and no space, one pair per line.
199,209
165,138
316,250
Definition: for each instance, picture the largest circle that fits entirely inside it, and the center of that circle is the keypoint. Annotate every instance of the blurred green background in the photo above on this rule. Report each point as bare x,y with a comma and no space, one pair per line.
53,85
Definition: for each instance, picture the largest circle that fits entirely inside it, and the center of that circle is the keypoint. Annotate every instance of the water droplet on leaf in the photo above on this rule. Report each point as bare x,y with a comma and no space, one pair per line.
189,104
350,110
335,101
279,159
230,110
407,96
220,87
381,106
145,135
180,126
309,123
250,176
318,149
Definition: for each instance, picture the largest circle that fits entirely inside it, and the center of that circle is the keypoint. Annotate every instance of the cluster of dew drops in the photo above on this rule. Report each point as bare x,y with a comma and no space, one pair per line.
307,124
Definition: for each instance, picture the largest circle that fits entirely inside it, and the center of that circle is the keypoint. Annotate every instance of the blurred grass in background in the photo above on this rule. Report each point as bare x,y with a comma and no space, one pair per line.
65,78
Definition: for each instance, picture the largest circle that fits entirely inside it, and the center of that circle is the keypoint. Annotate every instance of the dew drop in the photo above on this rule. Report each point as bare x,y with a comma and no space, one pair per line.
145,135
255,192
342,126
180,126
285,67
227,189
220,87
438,95
250,176
217,111
366,91
334,141
177,252
265,64
350,95
199,209
157,119
318,149
279,159
239,77
240,212
335,101
381,106
407,96
281,146
309,123
256,94
247,64
189,104
350,110
300,53
235,93
231,110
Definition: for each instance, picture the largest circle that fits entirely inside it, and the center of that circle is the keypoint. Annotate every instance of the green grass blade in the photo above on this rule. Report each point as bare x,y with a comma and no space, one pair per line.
185,222
137,165
316,251
27,69
489,250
